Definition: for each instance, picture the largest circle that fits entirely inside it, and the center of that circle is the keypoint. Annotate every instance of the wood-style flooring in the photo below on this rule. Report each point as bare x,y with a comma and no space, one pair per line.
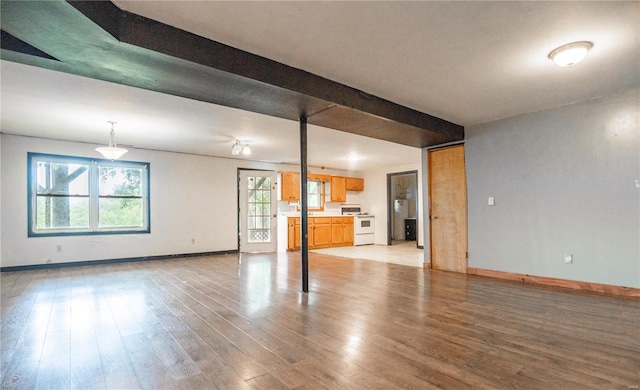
240,322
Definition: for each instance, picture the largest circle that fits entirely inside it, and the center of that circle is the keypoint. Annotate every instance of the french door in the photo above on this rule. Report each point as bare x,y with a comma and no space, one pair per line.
258,211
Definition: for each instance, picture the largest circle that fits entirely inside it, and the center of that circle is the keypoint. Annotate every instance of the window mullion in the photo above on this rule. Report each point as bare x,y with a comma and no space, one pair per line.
94,191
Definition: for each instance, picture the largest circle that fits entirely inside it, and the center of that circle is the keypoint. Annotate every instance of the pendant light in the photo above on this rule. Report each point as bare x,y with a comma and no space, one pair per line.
112,152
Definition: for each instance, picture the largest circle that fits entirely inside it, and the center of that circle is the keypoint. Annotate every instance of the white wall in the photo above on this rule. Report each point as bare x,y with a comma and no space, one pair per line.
191,197
564,183
374,198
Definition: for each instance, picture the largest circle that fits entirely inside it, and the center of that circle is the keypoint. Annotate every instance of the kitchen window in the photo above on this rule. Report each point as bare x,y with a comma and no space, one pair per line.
315,195
80,196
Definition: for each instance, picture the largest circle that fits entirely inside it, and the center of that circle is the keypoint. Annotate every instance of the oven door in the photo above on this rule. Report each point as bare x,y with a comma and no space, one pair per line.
364,224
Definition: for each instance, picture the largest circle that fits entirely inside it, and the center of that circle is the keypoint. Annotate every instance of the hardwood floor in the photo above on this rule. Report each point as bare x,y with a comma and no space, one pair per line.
231,322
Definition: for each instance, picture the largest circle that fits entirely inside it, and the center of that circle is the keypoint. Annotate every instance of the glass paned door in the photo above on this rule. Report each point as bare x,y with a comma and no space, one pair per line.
258,211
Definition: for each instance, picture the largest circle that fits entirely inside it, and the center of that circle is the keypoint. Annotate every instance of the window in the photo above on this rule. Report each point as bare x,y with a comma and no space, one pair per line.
315,195
259,209
76,196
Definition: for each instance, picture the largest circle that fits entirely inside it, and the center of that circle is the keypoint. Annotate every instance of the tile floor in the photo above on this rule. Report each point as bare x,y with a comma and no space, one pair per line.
401,252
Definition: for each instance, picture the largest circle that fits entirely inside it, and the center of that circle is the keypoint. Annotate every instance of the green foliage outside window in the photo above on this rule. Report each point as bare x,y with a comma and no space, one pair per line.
74,195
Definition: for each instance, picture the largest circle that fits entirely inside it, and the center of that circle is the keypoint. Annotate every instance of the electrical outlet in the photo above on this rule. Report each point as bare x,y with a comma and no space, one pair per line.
568,259
491,201
193,240
58,248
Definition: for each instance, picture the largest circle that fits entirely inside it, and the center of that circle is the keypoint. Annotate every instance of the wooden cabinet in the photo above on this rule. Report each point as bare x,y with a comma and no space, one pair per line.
347,238
293,231
341,231
290,186
338,189
354,184
340,185
337,234
291,234
321,232
324,232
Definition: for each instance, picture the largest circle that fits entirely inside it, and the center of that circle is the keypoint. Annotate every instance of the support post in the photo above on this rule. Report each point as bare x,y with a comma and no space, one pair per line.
304,218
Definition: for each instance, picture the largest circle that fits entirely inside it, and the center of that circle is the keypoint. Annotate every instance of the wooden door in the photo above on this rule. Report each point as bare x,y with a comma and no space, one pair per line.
448,209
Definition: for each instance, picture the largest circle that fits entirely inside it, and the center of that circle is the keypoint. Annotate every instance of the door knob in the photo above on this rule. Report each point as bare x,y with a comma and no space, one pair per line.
432,217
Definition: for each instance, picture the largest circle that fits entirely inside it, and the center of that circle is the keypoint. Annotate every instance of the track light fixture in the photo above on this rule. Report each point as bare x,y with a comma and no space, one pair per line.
238,148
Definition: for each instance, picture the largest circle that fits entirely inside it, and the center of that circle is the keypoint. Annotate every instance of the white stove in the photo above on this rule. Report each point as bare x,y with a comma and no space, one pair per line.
363,224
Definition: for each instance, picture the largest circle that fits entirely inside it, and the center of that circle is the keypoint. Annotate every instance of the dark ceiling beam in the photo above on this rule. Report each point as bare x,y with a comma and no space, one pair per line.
9,42
97,39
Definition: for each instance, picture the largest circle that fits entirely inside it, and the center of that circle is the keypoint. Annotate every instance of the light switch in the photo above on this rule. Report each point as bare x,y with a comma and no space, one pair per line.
491,201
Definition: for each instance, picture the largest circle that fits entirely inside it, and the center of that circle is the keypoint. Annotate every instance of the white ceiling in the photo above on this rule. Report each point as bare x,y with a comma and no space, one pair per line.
465,62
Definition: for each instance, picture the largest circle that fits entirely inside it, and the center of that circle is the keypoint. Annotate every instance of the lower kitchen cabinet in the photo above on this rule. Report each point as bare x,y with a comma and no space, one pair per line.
337,234
321,232
324,232
348,232
341,231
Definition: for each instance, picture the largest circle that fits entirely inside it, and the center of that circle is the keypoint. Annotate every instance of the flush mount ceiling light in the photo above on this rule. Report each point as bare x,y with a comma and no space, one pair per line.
112,152
238,148
571,53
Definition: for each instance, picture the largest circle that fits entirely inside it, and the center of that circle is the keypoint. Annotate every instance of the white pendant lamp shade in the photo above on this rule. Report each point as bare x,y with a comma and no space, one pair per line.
570,54
112,152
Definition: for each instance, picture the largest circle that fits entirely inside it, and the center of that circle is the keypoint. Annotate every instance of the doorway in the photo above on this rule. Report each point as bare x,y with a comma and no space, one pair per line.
257,214
402,207
448,209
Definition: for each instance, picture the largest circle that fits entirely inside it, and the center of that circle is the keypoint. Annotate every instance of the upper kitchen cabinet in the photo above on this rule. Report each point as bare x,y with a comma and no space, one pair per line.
290,186
338,189
339,185
354,184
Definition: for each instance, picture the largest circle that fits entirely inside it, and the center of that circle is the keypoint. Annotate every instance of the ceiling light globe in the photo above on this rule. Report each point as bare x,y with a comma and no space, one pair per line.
246,150
570,54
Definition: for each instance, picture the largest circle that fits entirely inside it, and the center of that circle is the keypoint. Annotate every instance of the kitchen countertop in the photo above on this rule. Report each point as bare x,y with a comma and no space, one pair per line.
297,214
